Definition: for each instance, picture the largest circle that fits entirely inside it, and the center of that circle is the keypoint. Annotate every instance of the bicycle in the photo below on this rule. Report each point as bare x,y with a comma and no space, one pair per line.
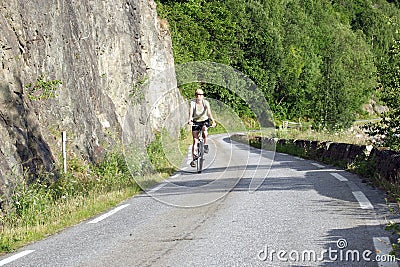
200,151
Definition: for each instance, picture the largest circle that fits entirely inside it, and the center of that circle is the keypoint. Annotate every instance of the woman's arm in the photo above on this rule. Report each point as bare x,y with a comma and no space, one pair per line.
209,114
190,121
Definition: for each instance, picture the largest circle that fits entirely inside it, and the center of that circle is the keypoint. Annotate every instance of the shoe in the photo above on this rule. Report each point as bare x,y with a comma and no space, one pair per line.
193,164
205,148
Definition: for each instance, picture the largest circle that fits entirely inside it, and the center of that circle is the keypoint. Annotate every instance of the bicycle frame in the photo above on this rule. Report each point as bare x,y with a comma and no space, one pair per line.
200,151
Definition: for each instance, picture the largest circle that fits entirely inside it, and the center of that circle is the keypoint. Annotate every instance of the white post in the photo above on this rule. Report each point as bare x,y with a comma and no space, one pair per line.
64,150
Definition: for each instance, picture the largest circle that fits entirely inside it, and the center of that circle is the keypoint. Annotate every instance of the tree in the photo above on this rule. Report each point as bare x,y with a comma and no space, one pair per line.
348,79
328,70
388,129
313,60
300,67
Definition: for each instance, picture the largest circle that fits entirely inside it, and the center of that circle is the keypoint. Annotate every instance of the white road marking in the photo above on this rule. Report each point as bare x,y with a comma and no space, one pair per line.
383,248
363,200
108,214
318,165
15,257
158,187
174,176
339,177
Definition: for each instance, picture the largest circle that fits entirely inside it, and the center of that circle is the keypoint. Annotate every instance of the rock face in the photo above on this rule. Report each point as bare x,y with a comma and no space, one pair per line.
106,54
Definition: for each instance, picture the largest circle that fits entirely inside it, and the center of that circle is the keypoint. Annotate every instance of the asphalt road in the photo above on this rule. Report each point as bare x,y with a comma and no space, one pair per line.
248,208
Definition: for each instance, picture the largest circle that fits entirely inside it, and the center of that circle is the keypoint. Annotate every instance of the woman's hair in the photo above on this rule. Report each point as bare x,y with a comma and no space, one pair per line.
199,92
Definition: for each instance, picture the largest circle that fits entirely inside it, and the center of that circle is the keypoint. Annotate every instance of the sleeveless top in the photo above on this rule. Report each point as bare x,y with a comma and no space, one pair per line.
200,113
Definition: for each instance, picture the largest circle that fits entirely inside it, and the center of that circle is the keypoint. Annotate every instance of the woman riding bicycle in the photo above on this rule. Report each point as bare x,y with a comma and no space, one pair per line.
199,117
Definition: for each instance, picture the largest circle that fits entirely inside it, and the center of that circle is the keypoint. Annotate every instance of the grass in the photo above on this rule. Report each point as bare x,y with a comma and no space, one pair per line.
20,231
167,153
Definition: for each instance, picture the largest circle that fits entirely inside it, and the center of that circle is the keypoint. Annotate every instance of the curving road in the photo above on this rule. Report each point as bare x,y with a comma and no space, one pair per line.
302,214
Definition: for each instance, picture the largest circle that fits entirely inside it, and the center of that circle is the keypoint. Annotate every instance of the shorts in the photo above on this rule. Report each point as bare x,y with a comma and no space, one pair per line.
197,125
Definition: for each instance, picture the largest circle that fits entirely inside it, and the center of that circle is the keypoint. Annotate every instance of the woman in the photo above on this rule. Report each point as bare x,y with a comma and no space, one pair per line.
199,117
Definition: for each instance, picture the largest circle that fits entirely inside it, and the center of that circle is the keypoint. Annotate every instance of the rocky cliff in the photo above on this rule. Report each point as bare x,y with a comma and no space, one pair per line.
97,56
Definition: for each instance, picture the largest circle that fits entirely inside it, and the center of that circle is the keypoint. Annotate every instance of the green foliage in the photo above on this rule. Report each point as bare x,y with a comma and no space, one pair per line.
110,174
387,130
45,201
30,199
42,88
113,173
156,154
316,61
395,229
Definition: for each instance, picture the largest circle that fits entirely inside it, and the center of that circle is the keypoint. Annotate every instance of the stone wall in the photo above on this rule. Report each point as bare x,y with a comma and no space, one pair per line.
382,162
105,53
387,164
378,162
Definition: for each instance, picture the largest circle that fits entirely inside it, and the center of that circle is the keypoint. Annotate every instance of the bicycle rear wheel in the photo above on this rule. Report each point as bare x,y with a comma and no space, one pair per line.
200,154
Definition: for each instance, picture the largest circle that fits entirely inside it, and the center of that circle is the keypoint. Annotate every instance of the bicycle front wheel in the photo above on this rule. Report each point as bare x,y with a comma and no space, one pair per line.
200,154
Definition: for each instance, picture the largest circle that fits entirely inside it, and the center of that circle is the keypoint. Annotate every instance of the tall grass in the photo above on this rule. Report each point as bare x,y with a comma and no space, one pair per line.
44,207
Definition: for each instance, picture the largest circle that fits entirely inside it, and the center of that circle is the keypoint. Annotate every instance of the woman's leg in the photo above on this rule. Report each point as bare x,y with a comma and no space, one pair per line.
205,134
195,142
